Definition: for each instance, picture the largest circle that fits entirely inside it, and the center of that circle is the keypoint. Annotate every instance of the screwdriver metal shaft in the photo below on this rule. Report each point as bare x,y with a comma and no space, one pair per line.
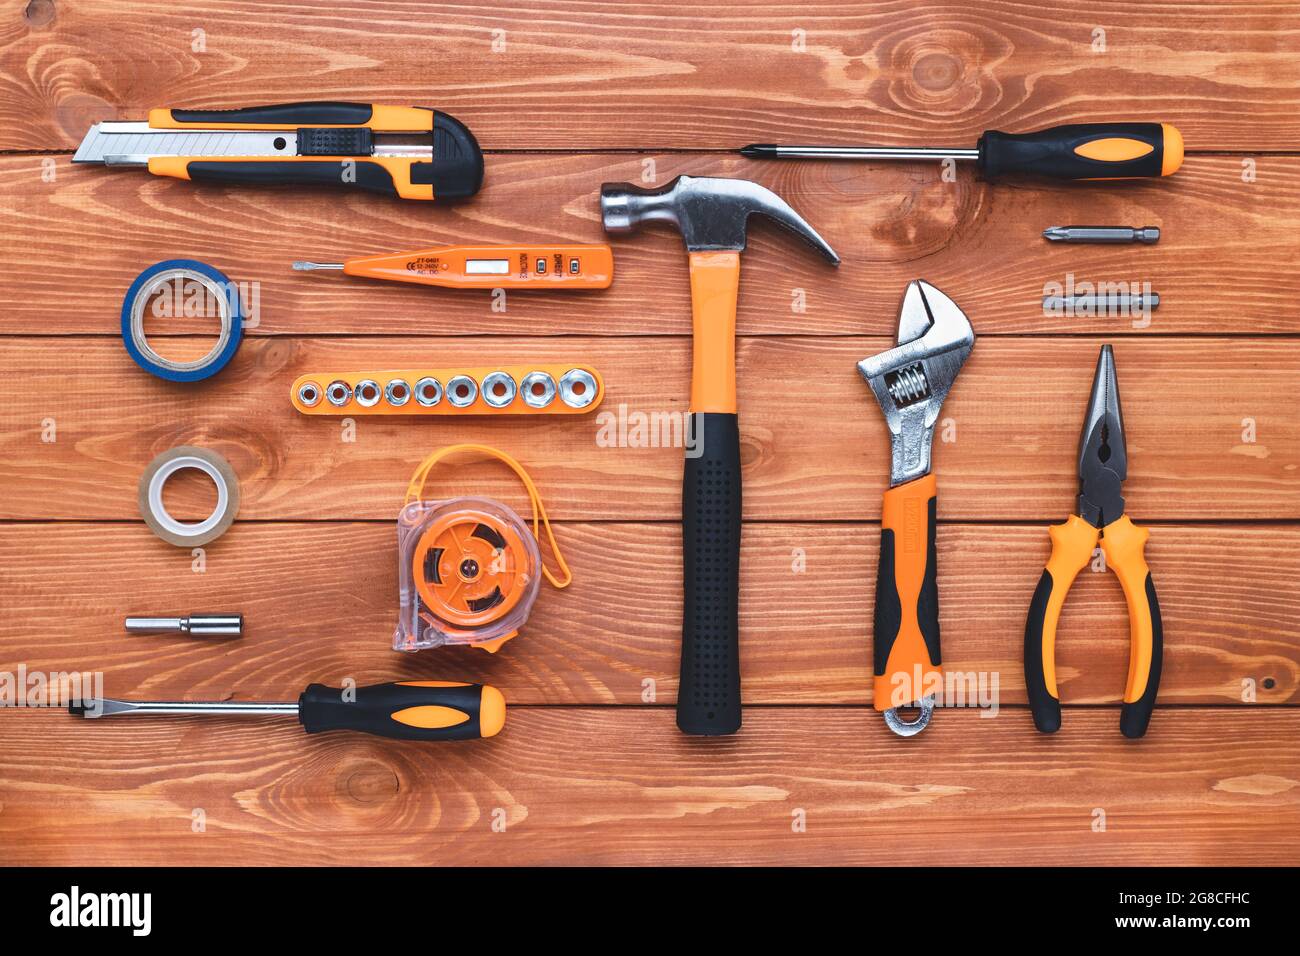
107,707
773,151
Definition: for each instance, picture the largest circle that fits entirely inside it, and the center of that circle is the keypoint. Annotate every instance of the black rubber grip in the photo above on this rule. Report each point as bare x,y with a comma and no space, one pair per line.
1045,708
708,699
1134,717
371,710
887,617
363,175
1051,152
285,114
457,168
335,141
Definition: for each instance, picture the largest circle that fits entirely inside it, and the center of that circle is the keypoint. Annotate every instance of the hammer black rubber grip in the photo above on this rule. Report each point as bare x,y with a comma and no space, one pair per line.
708,699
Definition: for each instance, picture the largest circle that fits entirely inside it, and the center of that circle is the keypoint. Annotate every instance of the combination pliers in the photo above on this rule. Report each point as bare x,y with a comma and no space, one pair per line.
1103,466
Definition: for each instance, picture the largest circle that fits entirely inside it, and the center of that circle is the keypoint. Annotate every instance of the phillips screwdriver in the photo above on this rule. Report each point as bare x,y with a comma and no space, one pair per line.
1077,151
406,710
578,266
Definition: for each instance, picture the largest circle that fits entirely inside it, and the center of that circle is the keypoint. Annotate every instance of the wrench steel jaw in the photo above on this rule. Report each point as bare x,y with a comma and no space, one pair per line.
911,380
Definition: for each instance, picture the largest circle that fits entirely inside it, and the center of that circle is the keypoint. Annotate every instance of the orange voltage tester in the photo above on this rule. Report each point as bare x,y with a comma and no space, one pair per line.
582,266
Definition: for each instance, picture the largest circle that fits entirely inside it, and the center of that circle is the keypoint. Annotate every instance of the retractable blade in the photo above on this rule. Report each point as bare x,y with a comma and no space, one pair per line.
408,151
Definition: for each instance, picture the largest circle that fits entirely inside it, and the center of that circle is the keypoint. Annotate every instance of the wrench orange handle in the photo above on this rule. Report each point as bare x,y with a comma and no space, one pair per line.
907,665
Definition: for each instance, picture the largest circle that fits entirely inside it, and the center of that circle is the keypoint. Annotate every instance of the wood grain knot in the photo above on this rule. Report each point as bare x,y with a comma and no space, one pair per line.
39,13
936,72
370,783
933,70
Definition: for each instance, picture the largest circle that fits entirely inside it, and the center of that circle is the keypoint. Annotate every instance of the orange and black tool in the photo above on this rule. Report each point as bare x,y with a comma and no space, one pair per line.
408,151
1077,151
1103,466
910,381
713,215
534,266
427,710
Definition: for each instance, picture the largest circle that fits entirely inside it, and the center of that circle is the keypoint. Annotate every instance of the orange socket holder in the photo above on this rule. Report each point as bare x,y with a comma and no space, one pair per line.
539,266
555,388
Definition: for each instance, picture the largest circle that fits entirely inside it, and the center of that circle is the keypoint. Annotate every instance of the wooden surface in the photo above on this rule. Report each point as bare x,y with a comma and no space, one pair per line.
590,768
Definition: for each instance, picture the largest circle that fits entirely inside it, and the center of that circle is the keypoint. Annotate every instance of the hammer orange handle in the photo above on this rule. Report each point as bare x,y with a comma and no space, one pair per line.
906,626
715,284
708,697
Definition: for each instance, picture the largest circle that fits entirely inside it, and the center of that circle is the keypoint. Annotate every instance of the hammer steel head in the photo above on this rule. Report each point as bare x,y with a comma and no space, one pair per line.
712,214
911,380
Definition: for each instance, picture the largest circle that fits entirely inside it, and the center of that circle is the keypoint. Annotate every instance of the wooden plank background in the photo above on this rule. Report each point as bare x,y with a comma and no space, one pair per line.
590,768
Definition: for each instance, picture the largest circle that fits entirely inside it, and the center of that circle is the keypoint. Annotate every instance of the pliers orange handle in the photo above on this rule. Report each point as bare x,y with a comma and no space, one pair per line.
1103,466
1073,543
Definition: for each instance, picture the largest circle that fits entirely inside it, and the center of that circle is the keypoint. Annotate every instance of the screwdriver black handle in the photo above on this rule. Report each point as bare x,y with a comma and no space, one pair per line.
407,710
1084,151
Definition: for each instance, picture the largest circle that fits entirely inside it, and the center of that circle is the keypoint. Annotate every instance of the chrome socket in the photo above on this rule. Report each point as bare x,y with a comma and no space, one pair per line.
309,394
367,393
538,389
428,392
578,388
338,393
499,389
397,392
461,391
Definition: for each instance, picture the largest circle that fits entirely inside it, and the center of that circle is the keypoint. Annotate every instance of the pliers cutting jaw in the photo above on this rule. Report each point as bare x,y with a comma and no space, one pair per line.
1103,458
1103,466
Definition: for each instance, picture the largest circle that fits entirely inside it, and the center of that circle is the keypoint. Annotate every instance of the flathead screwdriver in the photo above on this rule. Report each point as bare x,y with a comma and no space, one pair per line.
1076,151
406,710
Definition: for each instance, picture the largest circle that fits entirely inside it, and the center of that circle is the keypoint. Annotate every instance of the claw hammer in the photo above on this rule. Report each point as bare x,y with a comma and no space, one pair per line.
712,216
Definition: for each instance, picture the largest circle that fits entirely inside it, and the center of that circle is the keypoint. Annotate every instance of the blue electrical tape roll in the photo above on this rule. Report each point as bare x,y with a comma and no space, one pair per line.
218,287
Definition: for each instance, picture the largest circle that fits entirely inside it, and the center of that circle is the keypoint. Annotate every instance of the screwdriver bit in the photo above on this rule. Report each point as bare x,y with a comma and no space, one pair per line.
196,625
1147,234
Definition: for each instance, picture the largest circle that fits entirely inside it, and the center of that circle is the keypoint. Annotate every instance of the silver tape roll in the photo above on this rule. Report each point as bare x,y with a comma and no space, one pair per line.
185,534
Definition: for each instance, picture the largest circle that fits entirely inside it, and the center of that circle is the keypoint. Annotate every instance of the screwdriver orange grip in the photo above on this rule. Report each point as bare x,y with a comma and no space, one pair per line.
906,623
1084,151
406,710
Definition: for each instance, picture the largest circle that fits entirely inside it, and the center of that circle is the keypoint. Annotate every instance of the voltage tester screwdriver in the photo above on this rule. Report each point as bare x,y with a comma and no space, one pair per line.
1077,151
568,267
406,710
